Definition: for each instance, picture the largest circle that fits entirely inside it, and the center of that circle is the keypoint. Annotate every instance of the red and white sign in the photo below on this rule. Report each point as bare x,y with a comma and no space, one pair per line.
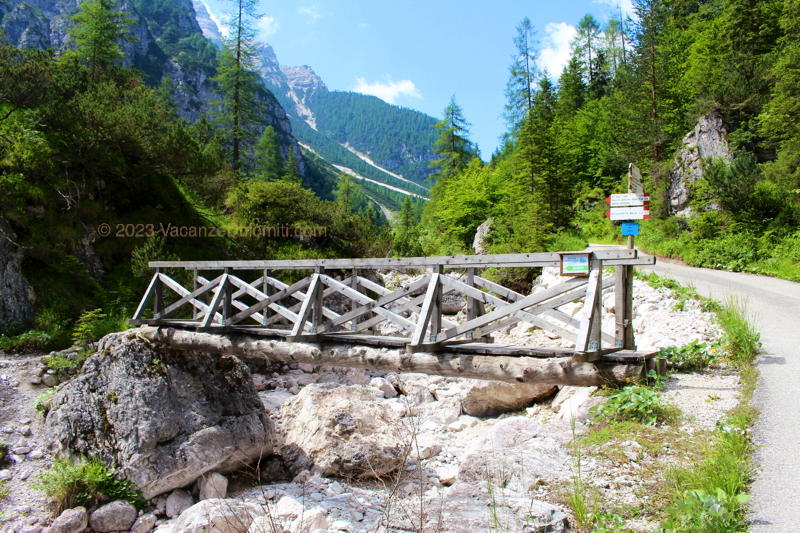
627,200
628,213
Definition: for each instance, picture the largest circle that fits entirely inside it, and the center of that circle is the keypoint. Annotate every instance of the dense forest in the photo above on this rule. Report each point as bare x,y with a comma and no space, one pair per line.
630,92
97,168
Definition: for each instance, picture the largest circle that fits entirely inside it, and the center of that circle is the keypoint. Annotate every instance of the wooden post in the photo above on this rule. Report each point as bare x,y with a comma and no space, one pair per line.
266,288
227,291
436,313
353,303
158,296
316,304
595,334
195,310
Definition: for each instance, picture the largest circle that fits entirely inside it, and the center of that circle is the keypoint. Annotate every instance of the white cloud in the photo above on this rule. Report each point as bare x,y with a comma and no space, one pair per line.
557,45
267,26
389,91
312,13
626,6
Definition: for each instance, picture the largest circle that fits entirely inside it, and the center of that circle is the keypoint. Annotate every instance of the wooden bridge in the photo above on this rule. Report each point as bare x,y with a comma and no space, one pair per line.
337,301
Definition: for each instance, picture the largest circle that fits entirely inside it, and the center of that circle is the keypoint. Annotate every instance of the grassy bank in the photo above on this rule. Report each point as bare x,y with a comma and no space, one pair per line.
695,481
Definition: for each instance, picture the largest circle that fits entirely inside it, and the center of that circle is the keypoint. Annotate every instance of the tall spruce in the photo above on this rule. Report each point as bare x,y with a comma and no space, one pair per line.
268,159
523,74
453,146
238,83
99,28
586,43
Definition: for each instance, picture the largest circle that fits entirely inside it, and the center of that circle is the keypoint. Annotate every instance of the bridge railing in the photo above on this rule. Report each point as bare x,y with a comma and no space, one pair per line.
334,301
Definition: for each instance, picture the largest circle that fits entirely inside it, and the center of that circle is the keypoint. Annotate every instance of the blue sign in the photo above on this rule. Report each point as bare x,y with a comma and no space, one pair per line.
630,228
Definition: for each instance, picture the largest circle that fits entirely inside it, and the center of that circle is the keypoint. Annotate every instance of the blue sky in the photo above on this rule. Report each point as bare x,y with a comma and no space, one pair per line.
417,53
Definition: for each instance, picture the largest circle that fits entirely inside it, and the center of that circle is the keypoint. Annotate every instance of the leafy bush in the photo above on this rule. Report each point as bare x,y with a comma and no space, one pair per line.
636,403
95,324
693,356
86,482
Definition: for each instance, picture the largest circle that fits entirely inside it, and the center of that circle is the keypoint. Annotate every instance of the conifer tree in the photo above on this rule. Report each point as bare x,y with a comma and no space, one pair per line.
97,32
523,74
268,158
453,147
586,43
292,174
347,195
238,83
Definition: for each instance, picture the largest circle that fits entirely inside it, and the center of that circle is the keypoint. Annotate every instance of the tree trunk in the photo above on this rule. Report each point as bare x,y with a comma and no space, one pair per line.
550,370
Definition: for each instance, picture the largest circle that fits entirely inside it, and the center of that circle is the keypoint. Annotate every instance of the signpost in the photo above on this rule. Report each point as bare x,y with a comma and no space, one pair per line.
630,228
575,264
628,213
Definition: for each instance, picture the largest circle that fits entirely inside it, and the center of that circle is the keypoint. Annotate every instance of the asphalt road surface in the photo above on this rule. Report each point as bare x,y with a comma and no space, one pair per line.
775,308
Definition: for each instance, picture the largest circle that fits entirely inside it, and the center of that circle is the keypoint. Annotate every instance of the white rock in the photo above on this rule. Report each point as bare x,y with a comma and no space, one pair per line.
144,524
310,521
273,400
115,516
447,474
288,508
219,516
72,520
213,485
575,403
35,454
384,386
5,474
177,502
305,367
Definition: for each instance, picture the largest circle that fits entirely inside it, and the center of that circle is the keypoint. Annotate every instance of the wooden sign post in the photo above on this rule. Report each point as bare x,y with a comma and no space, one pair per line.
624,277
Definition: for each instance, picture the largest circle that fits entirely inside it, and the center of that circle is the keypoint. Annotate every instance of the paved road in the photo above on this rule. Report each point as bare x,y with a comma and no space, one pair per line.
775,304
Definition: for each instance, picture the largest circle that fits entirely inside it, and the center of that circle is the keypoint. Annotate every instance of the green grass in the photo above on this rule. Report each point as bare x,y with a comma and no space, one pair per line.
43,401
85,482
741,340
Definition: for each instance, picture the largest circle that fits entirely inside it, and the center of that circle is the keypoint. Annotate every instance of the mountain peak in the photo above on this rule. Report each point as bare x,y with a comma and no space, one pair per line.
303,79
207,23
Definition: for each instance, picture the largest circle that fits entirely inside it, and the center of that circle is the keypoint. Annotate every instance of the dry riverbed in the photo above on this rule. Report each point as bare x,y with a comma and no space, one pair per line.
504,471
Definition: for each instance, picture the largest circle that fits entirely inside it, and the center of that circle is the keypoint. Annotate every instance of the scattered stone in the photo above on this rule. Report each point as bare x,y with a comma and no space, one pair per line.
305,367
115,516
491,398
72,520
341,431
144,524
178,501
213,485
260,382
36,454
575,403
5,474
384,386
219,516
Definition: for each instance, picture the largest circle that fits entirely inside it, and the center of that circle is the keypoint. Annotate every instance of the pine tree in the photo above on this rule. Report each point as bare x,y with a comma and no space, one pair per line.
292,174
268,158
453,147
571,88
347,194
586,43
97,32
523,74
238,83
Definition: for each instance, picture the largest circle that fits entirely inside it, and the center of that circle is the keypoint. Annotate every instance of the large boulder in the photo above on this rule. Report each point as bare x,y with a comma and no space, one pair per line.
115,516
219,516
708,139
491,398
341,431
163,418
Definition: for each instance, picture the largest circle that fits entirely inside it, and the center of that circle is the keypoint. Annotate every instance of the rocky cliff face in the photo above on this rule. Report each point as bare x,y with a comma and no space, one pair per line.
207,25
46,23
16,294
708,139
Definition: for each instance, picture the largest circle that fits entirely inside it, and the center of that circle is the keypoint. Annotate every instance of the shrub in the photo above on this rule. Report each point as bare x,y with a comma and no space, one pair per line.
95,324
65,366
693,356
85,482
636,403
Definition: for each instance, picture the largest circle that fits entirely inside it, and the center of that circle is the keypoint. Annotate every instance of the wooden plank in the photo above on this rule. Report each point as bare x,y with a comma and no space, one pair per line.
270,302
215,303
455,261
436,311
427,308
305,310
364,299
380,302
151,288
593,289
186,296
261,296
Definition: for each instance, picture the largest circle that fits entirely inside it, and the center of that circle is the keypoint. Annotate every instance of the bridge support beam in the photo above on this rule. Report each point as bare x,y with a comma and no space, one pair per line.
550,370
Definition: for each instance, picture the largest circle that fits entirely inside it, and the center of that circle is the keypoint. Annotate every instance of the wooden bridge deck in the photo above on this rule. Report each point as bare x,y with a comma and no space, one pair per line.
335,303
